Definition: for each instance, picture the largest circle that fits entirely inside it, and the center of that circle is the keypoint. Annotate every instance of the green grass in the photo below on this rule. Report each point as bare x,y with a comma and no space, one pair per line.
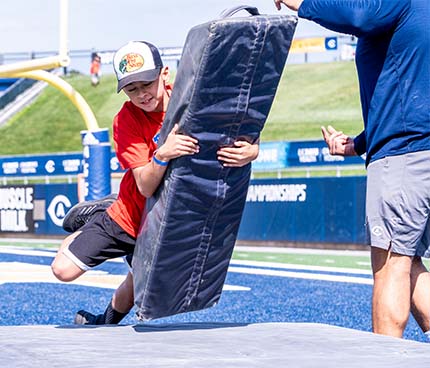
312,95
325,260
311,172
309,95
53,124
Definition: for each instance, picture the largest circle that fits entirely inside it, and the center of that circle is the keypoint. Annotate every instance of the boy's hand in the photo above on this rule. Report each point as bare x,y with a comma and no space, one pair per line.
241,154
292,4
177,145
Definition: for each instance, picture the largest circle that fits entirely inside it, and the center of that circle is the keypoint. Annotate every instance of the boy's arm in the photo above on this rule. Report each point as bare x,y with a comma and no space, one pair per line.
149,176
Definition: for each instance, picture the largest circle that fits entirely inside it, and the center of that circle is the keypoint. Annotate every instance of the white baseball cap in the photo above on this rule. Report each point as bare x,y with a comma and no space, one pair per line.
137,61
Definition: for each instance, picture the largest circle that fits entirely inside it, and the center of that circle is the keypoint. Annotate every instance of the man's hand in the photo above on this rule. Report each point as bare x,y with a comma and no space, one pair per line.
292,4
337,142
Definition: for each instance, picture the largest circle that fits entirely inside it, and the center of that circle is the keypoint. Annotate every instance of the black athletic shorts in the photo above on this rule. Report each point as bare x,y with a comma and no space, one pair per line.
100,239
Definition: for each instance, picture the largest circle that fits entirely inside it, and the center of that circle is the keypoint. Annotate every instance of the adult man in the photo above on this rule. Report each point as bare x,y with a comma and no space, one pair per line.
392,59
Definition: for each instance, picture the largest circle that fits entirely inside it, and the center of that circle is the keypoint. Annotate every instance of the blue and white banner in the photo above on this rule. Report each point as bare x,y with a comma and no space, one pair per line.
282,155
48,164
273,156
16,209
40,165
316,153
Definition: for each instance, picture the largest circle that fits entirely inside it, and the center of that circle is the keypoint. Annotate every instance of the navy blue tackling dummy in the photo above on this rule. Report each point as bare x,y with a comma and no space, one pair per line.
224,88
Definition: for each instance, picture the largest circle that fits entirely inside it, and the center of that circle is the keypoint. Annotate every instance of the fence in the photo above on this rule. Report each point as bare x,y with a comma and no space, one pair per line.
306,50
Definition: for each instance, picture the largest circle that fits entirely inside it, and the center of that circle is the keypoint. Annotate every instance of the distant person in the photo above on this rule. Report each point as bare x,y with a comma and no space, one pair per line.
392,58
103,234
95,71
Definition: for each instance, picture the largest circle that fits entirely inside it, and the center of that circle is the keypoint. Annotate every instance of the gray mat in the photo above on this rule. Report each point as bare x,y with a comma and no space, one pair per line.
206,345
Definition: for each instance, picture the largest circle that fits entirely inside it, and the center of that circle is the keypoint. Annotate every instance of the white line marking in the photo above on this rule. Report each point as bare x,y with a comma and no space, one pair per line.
255,271
29,240
263,249
28,252
41,253
19,272
302,275
300,267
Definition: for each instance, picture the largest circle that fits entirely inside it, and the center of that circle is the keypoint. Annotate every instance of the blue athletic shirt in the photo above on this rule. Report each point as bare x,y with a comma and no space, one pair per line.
393,65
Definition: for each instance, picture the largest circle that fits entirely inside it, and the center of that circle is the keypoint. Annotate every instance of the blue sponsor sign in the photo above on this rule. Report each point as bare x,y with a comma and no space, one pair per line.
16,209
51,203
282,155
272,155
326,210
330,43
316,153
35,209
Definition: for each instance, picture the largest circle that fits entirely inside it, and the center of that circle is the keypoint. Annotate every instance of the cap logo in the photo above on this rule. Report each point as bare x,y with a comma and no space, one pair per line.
130,63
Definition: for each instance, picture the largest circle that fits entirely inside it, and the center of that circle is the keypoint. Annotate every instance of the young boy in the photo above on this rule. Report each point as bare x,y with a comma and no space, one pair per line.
112,233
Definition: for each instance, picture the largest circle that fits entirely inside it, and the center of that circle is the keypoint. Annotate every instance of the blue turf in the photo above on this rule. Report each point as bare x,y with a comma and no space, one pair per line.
271,299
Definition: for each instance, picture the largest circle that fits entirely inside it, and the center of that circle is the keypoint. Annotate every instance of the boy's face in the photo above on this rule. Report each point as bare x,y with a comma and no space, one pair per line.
149,96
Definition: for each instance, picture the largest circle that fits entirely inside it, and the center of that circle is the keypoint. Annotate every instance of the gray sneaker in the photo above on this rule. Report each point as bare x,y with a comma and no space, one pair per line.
82,212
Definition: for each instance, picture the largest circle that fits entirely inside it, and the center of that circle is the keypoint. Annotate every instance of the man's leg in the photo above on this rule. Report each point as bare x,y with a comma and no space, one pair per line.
120,305
420,287
391,302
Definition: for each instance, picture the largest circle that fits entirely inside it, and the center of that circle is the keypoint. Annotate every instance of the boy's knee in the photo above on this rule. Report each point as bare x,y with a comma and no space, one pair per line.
64,272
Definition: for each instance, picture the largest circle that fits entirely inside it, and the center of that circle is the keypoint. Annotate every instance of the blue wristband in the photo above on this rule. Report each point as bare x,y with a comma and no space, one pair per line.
159,162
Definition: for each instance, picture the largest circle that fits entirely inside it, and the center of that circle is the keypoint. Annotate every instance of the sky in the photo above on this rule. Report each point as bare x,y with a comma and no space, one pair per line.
107,24
28,25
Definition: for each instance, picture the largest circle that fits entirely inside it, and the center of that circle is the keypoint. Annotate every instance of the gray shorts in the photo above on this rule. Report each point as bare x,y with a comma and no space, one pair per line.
398,204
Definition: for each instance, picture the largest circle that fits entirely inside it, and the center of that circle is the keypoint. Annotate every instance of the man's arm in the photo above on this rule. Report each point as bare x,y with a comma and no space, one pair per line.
360,143
356,17
292,4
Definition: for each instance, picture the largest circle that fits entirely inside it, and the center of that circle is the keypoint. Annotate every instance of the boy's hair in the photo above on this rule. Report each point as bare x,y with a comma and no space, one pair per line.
137,61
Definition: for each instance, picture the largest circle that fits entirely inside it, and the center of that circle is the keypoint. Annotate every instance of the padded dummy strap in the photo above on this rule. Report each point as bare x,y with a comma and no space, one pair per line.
229,12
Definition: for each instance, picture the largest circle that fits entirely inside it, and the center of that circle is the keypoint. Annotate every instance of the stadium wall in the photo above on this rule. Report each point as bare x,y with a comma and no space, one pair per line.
308,210
305,210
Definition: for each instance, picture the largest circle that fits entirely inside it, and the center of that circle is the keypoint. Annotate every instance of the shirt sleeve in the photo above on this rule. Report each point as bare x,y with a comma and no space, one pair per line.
131,149
360,143
355,17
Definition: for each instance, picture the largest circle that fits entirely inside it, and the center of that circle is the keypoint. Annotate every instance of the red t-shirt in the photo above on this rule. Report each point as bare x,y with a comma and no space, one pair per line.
135,133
